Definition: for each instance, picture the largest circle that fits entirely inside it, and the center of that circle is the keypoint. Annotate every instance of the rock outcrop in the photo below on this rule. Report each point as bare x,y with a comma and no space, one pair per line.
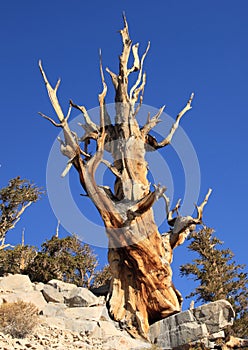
204,324
72,317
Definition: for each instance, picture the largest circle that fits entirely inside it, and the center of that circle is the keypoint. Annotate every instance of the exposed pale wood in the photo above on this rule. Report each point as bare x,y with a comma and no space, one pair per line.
132,95
104,117
136,63
181,226
90,126
141,290
152,122
152,142
200,207
52,93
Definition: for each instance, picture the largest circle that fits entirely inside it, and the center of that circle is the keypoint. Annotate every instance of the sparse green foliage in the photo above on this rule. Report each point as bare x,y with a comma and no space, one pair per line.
101,277
66,259
18,319
219,277
16,260
14,199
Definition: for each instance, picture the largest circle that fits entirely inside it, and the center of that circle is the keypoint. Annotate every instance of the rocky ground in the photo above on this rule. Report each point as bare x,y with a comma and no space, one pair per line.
72,317
46,337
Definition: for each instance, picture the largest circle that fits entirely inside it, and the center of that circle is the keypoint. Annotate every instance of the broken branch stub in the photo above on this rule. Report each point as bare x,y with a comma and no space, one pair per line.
141,289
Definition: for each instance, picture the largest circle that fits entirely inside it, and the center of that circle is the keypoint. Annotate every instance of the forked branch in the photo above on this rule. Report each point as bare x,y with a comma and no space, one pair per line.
52,93
146,202
200,207
152,142
189,220
135,90
89,126
152,122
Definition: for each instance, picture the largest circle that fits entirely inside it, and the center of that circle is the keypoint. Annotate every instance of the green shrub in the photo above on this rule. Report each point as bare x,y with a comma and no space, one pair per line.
18,319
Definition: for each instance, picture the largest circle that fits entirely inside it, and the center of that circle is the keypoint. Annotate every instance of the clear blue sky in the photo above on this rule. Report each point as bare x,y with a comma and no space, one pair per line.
195,46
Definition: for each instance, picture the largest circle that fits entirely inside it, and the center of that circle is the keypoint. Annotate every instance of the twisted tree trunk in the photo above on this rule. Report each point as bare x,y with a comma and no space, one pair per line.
141,289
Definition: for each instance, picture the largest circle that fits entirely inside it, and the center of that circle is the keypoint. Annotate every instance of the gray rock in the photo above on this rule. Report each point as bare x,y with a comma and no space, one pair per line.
108,329
84,327
52,294
125,343
192,325
16,283
53,321
81,326
102,290
93,313
81,297
62,287
53,309
33,297
216,315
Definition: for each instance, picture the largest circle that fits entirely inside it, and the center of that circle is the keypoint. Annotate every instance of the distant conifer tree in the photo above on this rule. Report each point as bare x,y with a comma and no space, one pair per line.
66,259
14,200
219,277
17,260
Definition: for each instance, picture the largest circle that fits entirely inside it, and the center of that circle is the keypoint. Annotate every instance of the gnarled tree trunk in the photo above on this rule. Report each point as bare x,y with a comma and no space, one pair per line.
139,256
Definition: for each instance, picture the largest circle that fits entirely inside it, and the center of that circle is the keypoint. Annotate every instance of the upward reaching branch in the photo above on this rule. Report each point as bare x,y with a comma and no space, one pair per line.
152,142
141,289
200,207
52,93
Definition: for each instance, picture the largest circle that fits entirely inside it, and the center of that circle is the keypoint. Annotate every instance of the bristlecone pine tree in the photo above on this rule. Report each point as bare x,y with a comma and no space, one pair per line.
17,260
14,200
66,259
141,290
219,277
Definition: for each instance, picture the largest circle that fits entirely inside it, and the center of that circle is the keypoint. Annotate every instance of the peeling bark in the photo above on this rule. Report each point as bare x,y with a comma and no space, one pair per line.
141,289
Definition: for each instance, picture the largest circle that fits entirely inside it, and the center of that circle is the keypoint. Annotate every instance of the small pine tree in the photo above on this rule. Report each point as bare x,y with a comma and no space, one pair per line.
219,277
14,200
16,260
66,259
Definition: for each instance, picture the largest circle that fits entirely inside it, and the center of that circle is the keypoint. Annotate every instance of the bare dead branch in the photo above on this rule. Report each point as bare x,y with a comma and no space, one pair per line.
131,94
169,213
140,103
167,207
97,157
68,113
88,136
152,122
58,125
136,63
17,216
103,94
114,78
141,88
126,48
200,207
112,168
52,93
70,147
3,246
104,117
146,202
67,169
174,127
90,125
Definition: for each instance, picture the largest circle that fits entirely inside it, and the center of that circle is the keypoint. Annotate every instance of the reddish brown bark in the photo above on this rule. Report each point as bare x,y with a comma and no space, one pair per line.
141,288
